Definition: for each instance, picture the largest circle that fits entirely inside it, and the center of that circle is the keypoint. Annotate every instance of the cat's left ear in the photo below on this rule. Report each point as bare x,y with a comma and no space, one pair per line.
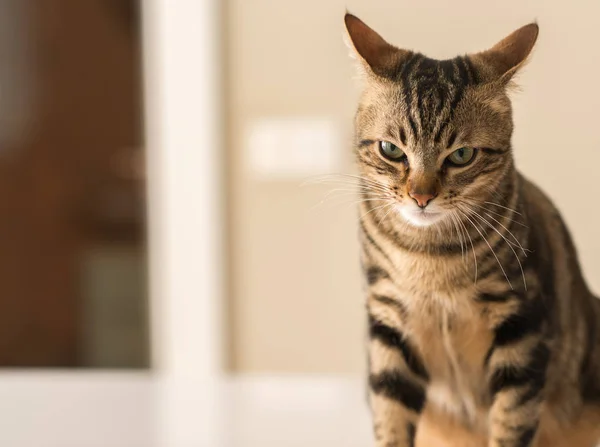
503,60
374,53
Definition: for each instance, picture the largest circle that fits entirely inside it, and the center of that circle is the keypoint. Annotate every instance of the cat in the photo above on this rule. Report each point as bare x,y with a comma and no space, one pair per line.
482,329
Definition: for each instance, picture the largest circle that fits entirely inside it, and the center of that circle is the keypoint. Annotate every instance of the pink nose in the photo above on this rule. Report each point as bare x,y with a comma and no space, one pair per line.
422,199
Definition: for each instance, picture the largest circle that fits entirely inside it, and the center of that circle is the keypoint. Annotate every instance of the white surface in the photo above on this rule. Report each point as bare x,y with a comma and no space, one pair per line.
137,410
284,148
183,156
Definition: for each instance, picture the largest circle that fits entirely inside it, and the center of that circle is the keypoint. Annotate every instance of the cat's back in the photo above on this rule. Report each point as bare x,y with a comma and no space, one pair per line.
577,310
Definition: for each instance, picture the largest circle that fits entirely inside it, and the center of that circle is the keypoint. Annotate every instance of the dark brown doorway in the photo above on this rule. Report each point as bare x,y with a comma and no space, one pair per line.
72,246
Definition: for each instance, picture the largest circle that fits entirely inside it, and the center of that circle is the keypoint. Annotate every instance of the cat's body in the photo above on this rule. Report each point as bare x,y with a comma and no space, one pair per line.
482,329
449,320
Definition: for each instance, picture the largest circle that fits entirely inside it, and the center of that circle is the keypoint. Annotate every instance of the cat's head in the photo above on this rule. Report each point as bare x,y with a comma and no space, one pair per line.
435,134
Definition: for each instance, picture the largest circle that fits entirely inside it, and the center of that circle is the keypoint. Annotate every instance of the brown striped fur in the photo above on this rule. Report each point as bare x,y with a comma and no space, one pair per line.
482,329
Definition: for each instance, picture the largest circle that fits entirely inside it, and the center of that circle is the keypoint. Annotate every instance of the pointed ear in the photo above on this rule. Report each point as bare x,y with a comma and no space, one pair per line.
503,60
371,49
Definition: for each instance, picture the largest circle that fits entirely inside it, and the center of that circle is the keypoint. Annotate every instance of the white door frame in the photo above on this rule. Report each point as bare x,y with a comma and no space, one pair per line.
183,141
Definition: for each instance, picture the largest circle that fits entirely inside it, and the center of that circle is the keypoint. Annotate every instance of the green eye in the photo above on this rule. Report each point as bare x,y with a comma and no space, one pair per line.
390,151
462,156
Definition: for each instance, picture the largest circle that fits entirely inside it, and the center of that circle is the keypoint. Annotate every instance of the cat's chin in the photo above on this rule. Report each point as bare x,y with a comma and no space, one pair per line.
421,218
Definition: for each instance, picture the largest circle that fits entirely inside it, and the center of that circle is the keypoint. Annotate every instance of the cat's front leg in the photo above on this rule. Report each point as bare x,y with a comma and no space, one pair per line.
397,381
517,368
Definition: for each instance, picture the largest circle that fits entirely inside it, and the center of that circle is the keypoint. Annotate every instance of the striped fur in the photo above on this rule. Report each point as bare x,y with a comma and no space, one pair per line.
482,329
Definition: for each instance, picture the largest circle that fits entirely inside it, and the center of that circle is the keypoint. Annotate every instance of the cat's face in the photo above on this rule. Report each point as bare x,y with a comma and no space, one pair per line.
434,138
434,135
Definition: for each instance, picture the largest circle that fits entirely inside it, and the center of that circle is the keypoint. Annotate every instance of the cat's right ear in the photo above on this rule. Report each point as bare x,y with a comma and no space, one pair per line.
503,60
373,52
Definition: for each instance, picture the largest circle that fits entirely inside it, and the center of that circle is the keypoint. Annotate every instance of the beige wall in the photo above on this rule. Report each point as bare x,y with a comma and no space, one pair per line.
296,303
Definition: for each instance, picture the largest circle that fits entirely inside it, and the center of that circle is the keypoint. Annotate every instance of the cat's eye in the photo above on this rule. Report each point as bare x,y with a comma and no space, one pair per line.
390,151
462,156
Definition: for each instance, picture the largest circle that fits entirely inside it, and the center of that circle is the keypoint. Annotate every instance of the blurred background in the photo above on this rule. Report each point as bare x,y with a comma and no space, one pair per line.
155,225
72,264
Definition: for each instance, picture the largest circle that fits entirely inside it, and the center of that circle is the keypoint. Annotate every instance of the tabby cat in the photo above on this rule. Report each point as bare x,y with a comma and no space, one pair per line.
482,329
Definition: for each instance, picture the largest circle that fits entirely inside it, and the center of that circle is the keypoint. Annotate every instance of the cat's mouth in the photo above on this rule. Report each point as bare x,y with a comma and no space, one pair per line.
421,217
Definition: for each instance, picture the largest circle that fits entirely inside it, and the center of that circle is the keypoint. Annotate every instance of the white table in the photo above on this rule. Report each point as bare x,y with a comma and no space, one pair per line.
90,409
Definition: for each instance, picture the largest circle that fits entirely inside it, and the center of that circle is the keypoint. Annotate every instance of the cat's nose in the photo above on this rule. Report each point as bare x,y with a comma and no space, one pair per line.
423,188
422,198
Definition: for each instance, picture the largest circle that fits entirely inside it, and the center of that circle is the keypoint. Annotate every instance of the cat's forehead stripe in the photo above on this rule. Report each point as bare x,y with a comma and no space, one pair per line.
407,89
431,91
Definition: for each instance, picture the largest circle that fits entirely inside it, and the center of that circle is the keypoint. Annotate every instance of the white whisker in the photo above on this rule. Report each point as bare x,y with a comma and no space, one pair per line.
509,232
505,207
503,215
462,224
506,240
385,215
490,247
374,209
458,234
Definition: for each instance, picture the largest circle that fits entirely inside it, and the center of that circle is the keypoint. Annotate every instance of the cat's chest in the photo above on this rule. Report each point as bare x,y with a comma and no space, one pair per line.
446,324
453,340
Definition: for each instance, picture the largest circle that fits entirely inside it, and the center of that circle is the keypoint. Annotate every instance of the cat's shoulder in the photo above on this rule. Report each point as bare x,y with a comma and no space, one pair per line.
535,201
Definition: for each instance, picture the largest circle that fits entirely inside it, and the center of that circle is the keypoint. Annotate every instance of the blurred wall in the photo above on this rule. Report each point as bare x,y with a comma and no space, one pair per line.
296,302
